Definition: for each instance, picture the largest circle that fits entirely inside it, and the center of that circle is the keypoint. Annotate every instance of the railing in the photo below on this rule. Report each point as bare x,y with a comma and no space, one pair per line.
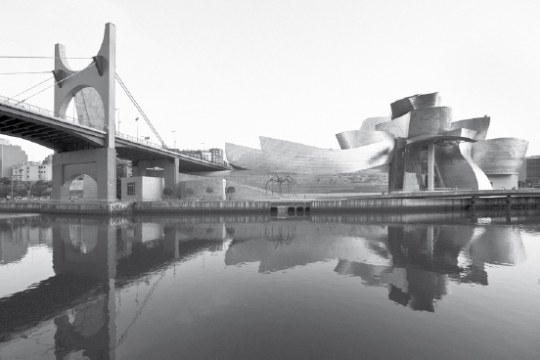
35,109
138,140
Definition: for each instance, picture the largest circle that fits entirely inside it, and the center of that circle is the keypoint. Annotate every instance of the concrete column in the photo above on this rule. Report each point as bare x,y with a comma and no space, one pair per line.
396,169
99,164
431,167
167,168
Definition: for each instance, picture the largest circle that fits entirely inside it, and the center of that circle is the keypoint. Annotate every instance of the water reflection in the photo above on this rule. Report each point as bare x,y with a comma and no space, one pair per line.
95,258
18,233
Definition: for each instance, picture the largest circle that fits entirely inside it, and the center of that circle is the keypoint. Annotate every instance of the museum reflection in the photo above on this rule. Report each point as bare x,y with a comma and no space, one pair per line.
94,258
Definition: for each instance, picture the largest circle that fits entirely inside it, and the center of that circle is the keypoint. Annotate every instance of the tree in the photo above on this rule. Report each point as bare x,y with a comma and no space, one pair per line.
39,188
229,191
167,191
47,192
5,191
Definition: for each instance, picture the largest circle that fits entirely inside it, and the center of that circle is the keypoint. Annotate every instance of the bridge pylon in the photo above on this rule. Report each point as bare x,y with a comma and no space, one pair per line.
99,75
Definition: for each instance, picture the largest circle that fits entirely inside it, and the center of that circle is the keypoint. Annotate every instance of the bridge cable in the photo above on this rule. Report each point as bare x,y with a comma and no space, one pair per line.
25,72
56,83
128,93
40,57
85,107
138,313
30,88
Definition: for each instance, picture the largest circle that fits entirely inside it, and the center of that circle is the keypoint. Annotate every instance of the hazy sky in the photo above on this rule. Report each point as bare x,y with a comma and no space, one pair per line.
300,70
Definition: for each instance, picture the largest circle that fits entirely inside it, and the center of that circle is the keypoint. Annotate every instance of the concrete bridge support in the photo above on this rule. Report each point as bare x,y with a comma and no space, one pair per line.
100,164
167,168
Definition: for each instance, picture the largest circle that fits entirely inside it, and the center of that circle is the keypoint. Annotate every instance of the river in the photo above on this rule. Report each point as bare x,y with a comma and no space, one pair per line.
418,286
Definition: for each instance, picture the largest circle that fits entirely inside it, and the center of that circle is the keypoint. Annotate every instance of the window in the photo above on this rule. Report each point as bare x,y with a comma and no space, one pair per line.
131,188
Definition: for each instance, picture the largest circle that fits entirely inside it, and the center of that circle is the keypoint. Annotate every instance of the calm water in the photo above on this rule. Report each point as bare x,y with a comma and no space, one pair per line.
448,286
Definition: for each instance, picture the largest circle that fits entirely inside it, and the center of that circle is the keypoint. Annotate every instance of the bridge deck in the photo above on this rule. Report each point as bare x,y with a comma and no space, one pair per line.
40,126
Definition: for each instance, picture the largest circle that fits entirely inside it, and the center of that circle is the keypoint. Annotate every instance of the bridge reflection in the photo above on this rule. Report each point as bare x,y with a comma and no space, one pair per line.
97,259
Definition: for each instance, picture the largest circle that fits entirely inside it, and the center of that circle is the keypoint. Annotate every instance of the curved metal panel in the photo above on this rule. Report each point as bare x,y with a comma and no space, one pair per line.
356,138
286,156
430,121
243,157
457,169
371,122
415,102
479,124
423,101
500,156
400,107
398,127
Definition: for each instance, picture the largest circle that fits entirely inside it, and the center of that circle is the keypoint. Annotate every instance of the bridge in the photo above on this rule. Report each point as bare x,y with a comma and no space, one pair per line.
92,147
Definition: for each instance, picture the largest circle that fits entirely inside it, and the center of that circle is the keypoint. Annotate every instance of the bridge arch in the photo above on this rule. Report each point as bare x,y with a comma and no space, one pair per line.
88,106
99,75
99,164
79,186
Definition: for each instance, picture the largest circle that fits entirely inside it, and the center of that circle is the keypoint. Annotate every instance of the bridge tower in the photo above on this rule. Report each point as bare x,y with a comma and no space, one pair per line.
100,164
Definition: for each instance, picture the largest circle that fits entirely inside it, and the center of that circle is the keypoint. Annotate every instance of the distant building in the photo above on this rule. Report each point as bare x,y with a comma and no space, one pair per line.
32,171
532,170
214,155
10,155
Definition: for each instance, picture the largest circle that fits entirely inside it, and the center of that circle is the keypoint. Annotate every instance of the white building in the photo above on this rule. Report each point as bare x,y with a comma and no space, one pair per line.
10,155
32,171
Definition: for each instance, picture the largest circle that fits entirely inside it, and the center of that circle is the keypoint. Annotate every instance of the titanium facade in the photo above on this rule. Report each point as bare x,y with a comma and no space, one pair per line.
420,144
290,157
462,158
501,160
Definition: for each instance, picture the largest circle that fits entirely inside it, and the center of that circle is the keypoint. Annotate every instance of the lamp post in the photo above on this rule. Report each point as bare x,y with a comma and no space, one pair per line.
174,138
118,120
137,122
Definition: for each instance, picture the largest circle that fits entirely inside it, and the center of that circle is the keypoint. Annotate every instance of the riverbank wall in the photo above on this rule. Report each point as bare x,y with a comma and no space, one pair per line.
75,208
394,202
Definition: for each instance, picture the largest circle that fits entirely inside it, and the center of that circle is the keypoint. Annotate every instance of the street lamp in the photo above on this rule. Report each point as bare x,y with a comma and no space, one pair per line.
137,122
118,120
174,138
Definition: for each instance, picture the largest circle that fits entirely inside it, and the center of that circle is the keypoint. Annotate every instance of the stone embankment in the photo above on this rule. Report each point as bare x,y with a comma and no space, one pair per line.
72,207
395,202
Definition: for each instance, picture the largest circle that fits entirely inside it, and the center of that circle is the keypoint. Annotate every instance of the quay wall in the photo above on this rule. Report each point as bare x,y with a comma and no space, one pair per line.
203,206
393,203
90,208
411,204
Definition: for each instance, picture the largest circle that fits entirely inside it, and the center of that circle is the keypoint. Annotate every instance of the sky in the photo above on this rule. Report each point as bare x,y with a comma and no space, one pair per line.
208,72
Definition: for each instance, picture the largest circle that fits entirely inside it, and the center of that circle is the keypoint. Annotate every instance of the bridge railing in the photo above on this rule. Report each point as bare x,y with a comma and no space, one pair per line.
35,109
139,140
